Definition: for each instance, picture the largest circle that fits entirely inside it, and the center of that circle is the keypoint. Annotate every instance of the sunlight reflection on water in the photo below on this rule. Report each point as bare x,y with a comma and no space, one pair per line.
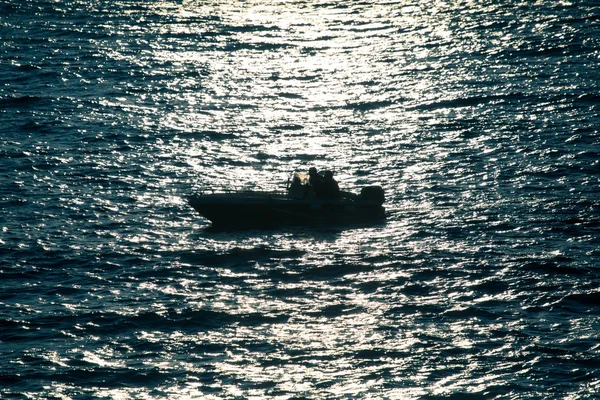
480,124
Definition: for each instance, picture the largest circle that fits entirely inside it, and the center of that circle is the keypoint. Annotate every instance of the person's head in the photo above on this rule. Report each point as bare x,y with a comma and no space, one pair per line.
328,175
312,171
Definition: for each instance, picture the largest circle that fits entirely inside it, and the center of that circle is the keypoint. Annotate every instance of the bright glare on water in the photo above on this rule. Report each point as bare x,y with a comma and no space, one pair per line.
479,120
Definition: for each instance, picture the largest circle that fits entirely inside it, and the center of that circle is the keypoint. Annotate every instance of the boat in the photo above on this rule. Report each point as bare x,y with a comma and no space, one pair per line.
298,205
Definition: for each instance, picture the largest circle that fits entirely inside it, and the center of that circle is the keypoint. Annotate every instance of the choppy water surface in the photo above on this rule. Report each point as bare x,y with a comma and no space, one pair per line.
480,120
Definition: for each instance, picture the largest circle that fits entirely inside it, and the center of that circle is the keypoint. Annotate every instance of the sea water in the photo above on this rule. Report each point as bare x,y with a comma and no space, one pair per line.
479,119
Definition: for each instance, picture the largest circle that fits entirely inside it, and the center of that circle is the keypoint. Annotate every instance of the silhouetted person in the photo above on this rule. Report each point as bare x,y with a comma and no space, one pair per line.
331,187
316,181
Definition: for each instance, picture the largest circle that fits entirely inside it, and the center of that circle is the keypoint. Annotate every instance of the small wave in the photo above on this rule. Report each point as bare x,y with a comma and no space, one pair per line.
468,102
369,105
337,270
592,98
290,95
332,4
251,28
210,318
582,300
468,313
336,310
29,67
291,127
237,46
173,320
239,256
21,101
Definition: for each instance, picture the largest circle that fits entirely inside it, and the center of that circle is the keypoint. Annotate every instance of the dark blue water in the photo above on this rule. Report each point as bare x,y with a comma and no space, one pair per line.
480,119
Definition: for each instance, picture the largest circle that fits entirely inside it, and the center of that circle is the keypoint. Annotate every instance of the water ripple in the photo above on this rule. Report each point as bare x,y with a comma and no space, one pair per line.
479,120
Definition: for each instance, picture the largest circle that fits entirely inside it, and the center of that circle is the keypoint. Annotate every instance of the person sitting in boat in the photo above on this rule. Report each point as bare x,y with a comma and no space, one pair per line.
316,182
297,188
325,187
331,189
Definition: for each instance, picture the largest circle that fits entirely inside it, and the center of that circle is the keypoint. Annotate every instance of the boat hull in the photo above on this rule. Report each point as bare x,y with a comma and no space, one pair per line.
271,210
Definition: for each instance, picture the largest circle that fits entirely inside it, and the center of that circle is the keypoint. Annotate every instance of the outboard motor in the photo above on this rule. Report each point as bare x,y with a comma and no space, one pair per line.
373,193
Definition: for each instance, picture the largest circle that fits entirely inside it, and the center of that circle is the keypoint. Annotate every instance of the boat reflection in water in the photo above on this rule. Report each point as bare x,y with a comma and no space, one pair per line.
303,203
